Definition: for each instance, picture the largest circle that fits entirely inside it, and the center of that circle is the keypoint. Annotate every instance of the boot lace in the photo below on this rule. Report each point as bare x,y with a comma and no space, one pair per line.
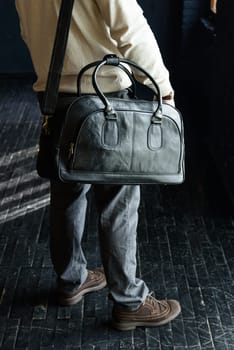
153,301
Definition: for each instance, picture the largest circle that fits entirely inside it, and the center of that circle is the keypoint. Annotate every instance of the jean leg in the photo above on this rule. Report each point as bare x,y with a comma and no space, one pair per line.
67,220
118,218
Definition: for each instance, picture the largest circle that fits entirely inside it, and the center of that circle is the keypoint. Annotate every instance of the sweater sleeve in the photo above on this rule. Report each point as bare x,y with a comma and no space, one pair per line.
135,40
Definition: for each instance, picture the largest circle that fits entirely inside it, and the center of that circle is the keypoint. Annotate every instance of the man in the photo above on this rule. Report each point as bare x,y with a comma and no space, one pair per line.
98,27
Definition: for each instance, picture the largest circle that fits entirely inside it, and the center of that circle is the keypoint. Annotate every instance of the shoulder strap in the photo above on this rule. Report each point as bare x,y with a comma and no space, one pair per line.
56,64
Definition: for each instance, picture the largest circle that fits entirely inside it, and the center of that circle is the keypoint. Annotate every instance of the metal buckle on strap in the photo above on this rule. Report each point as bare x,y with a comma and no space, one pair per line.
45,125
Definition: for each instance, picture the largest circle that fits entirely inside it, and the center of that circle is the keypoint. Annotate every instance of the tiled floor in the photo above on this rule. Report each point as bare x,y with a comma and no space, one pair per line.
186,242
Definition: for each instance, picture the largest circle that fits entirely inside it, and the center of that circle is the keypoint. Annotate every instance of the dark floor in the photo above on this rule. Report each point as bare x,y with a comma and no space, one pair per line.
186,241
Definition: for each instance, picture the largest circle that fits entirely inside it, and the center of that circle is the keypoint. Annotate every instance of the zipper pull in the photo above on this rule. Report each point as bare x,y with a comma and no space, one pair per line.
71,150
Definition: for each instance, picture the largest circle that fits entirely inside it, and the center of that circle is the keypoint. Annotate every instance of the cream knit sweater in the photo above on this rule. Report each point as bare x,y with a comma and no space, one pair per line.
98,27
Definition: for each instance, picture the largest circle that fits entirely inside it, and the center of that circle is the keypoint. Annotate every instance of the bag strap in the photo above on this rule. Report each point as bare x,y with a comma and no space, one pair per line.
50,95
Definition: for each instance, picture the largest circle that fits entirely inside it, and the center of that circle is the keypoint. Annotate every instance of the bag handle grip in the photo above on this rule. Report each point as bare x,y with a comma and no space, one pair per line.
96,63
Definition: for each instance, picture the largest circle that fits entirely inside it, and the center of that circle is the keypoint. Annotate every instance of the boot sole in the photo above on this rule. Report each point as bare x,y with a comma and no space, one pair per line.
68,301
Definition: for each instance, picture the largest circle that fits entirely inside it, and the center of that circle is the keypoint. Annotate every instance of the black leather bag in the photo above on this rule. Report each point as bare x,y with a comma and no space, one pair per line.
110,140
120,141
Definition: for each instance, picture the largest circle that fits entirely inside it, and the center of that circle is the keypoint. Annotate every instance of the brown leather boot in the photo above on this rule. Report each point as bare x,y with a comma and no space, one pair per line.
151,313
95,281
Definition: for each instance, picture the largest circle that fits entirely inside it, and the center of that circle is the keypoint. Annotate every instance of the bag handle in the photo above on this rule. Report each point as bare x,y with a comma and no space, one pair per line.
50,95
94,64
114,60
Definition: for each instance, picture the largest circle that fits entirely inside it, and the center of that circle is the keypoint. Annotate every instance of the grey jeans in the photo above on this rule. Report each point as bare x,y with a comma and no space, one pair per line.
117,207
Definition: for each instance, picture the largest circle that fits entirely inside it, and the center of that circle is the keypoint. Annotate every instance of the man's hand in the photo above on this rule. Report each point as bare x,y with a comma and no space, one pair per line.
169,99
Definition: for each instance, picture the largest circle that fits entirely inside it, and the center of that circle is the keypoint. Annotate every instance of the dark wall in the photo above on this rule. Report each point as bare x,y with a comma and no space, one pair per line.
205,89
221,131
14,57
164,17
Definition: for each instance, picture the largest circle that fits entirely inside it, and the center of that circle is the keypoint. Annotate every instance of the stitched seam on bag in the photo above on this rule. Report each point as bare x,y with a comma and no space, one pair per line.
106,146
149,143
181,134
77,138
